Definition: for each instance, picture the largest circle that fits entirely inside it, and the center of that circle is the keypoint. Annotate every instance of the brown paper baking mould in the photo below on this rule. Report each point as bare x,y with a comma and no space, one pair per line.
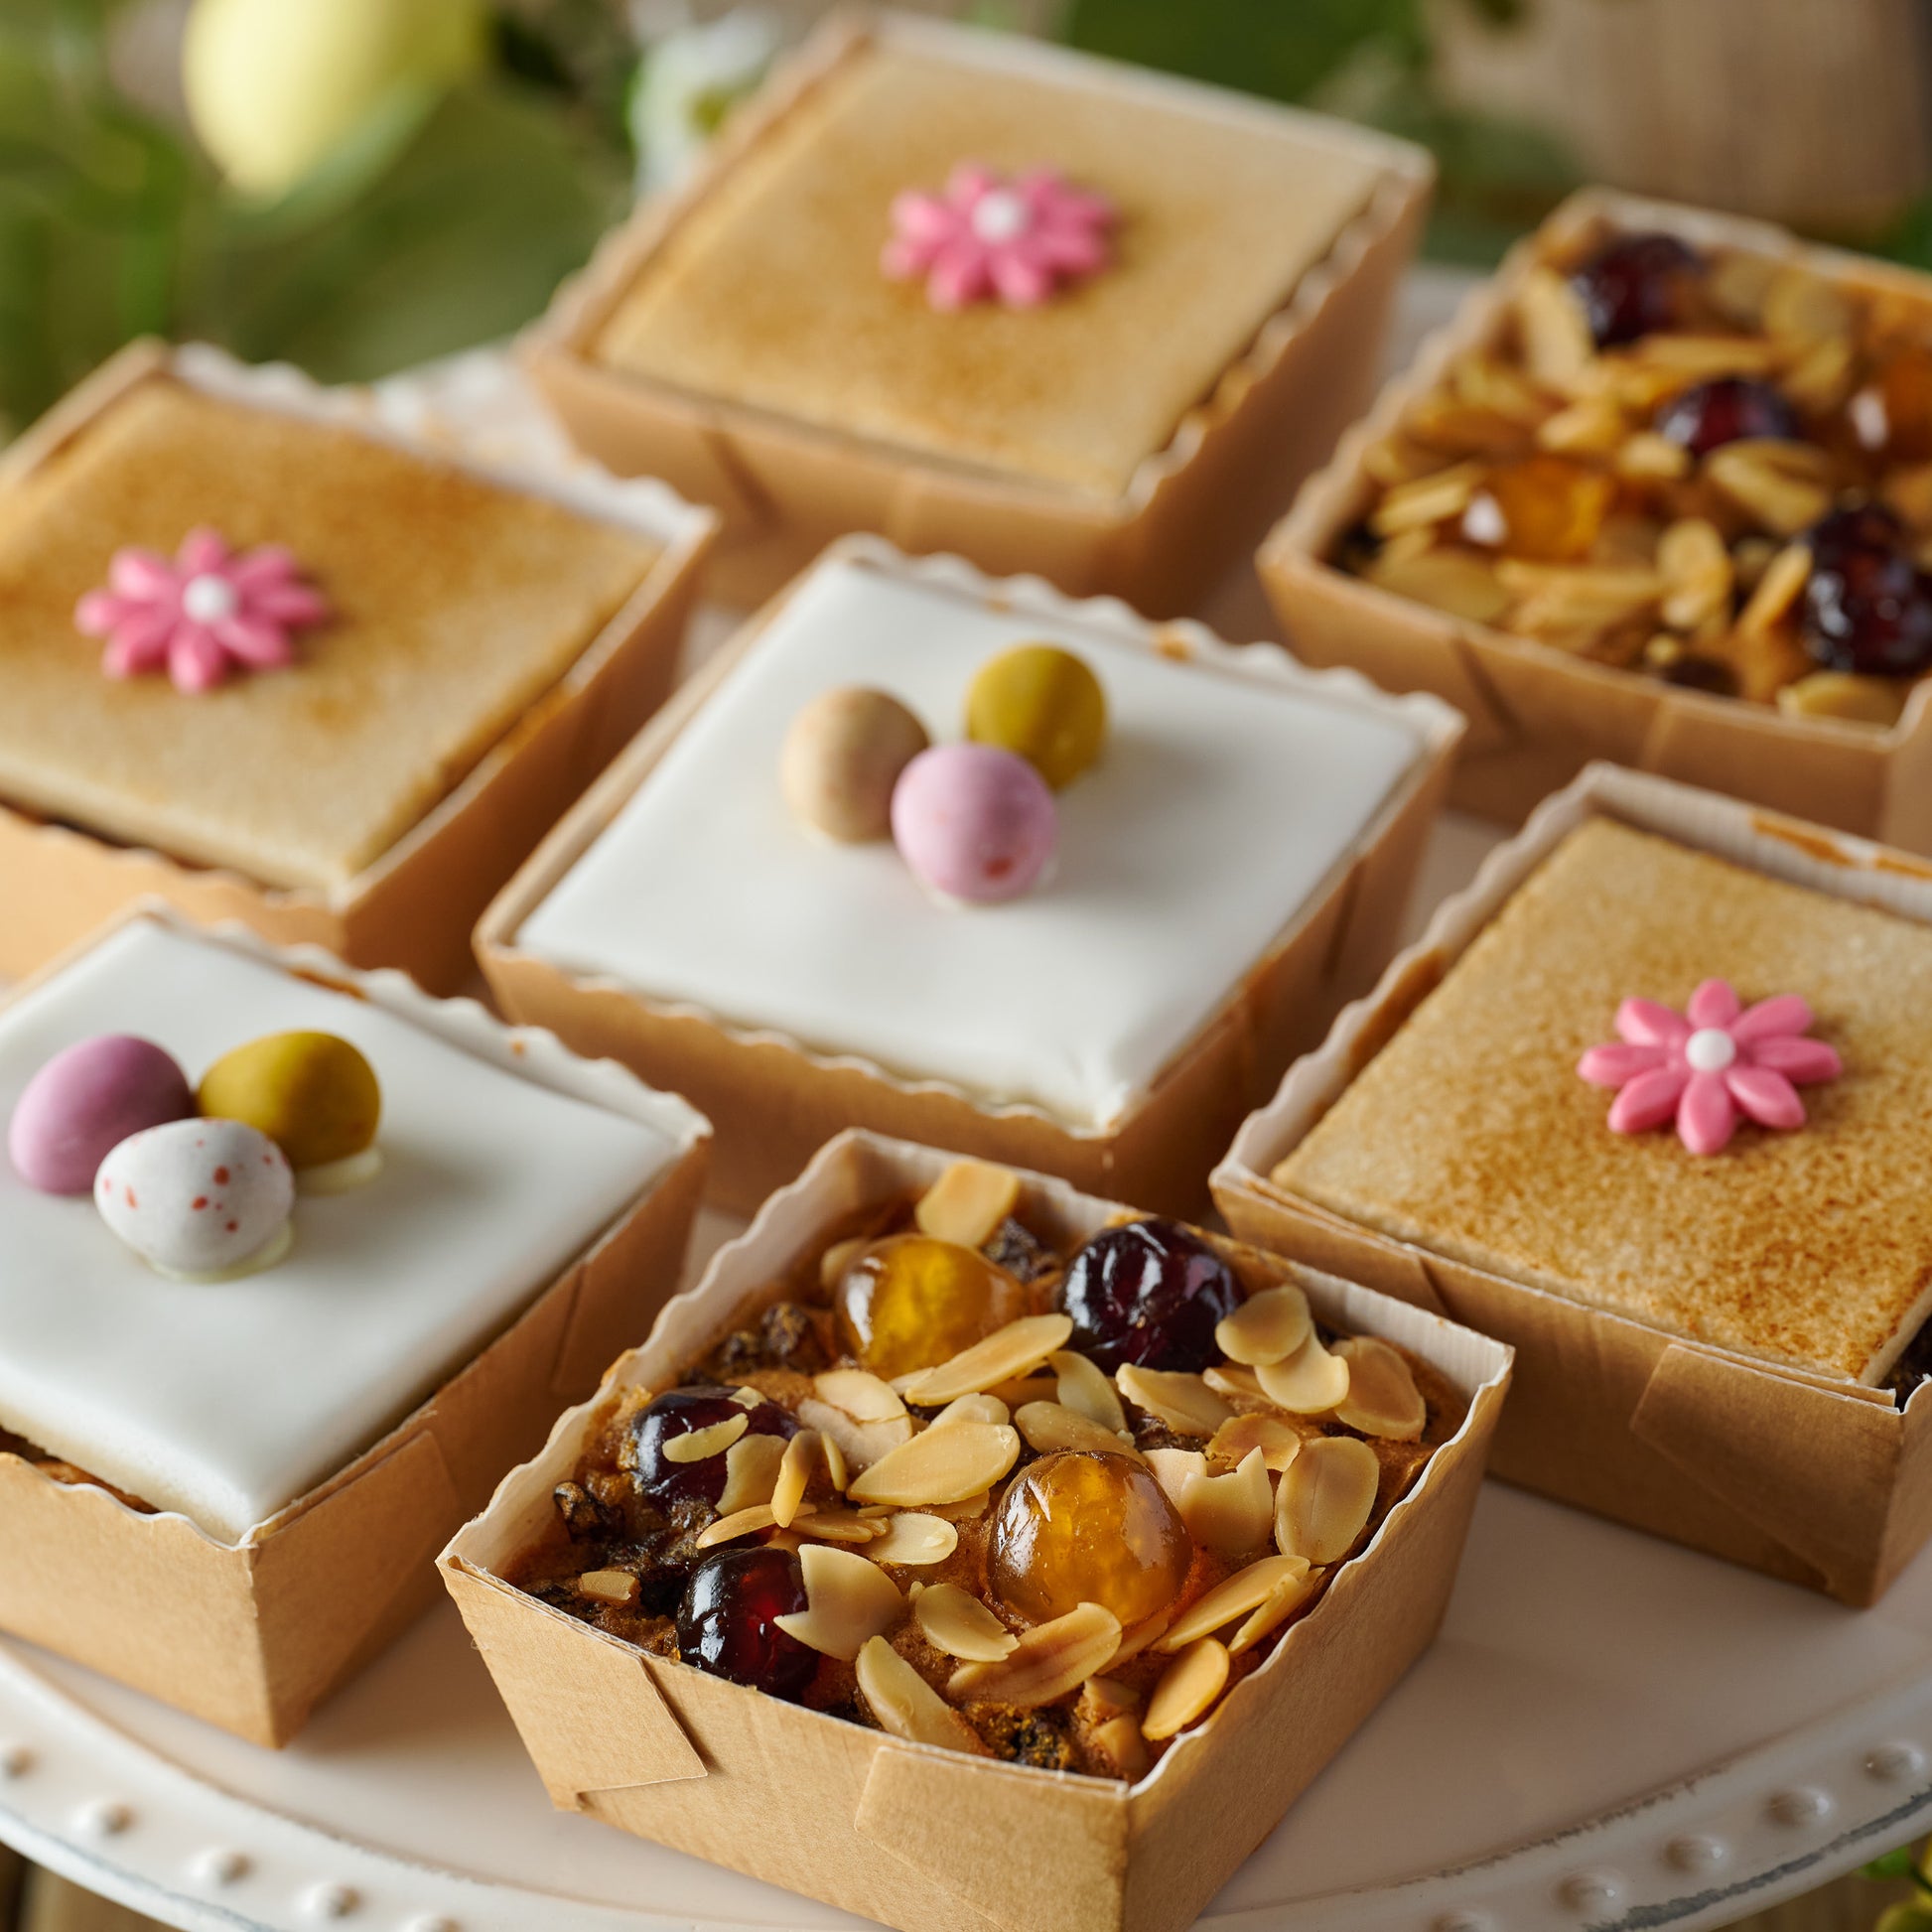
251,1636
785,489
1807,1477
414,908
1535,715
773,1102
924,1838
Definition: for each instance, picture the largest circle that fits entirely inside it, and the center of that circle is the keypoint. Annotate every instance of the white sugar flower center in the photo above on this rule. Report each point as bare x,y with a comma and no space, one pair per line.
209,599
1709,1049
999,215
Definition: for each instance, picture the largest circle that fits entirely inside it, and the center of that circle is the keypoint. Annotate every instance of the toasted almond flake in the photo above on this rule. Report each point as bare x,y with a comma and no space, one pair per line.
967,1510
1279,1442
1231,1515
1804,308
1678,356
968,1203
1082,1386
746,1396
1105,1697
942,1466
1309,1383
915,1540
1820,378
1594,427
801,1457
1184,1402
838,1526
1269,1615
1325,1498
1847,696
1777,589
956,1621
838,1258
750,1472
861,1444
1383,1399
1697,570
971,1408
1764,479
740,1522
1551,330
699,1444
1456,581
1647,457
835,1463
1028,1388
907,1705
1174,1468
1125,1749
1267,1327
608,1586
1048,1425
1186,1690
1048,1662
858,1393
848,1599
1429,500
1006,1353
1247,1589
1232,1380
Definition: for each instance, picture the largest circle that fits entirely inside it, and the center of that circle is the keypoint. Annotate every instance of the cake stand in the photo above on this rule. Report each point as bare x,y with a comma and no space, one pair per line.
1611,1734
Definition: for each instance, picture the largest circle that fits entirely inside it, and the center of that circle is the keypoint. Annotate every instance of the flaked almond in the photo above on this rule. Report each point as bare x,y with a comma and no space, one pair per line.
1174,1469
1119,1739
1187,1690
1231,1515
1107,1697
971,1408
746,1396
1847,696
1594,427
861,1444
837,1526
1006,1353
968,1203
805,1455
1429,500
699,1444
1276,1608
1325,1498
1082,1386
1184,1402
1247,1589
1143,1636
1383,1399
1766,480
1230,1379
915,1539
848,1599
941,1465
1309,1383
1776,591
741,1522
1048,1426
608,1586
859,1394
907,1705
956,1621
1445,578
1551,330
1040,1387
750,1472
1048,1662
834,1263
1649,458
1279,1442
1266,1327
1803,308
968,1509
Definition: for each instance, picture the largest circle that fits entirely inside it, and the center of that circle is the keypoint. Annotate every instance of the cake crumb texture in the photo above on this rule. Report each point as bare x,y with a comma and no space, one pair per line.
1471,1134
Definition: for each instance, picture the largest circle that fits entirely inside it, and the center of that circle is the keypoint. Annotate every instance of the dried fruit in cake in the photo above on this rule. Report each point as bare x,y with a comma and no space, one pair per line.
975,823
1635,285
727,1620
1867,606
1147,1294
842,758
676,1448
1726,409
1545,508
314,1095
84,1102
1044,703
199,1201
912,1301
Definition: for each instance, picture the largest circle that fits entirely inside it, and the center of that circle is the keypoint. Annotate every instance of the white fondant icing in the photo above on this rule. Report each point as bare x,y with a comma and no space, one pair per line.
1220,803
341,1177
226,1403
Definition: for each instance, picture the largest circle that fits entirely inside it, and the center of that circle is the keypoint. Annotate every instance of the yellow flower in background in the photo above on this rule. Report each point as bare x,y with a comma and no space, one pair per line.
274,86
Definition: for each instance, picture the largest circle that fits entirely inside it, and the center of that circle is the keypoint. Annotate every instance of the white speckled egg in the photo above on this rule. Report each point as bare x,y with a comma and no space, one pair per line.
199,1199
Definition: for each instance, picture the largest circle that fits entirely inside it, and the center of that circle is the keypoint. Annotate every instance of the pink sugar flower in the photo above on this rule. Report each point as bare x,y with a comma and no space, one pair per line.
210,612
1704,1067
989,235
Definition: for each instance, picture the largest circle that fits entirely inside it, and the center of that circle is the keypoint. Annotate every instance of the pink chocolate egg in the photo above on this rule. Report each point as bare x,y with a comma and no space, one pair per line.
974,822
84,1102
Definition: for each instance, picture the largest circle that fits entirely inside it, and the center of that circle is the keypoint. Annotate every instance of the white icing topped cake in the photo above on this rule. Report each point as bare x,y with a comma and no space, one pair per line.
229,1402
1223,800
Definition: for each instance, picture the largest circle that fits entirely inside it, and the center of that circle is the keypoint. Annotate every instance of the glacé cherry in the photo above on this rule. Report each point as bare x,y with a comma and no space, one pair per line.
726,1621
682,1412
1708,415
1634,285
1149,1294
1867,606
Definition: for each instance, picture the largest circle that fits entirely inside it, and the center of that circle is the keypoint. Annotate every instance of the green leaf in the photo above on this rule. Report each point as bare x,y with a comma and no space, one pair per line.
1901,1864
1905,1919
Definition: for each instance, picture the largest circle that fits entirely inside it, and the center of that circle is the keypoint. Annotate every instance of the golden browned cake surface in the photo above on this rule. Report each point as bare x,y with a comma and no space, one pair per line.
770,292
456,604
1471,1134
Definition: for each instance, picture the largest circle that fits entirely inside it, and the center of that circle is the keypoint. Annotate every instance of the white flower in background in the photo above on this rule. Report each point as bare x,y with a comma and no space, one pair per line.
274,86
690,78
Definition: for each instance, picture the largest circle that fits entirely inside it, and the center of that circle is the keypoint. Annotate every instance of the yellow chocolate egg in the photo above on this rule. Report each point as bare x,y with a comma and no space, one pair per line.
1044,703
842,758
910,1302
314,1095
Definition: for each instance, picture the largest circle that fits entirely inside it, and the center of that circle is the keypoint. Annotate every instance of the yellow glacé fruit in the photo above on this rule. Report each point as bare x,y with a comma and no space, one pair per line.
912,1301
1044,703
314,1095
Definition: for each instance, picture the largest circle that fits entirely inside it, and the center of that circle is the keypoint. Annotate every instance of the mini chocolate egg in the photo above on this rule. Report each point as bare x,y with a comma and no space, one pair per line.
84,1102
314,1095
975,822
840,759
1044,703
198,1200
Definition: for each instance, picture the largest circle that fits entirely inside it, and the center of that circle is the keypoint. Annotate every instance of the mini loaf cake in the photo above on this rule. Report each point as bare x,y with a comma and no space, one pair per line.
249,1221
1754,1183
960,1485
253,640
1033,276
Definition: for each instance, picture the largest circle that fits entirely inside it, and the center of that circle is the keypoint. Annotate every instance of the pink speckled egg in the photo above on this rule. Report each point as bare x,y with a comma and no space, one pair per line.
84,1102
974,822
199,1197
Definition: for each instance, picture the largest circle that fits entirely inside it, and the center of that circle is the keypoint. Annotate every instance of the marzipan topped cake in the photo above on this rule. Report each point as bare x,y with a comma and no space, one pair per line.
1757,1181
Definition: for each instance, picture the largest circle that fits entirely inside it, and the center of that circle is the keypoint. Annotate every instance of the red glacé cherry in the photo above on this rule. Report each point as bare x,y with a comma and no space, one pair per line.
726,1622
681,1412
1147,1294
1634,285
1708,415
1867,606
